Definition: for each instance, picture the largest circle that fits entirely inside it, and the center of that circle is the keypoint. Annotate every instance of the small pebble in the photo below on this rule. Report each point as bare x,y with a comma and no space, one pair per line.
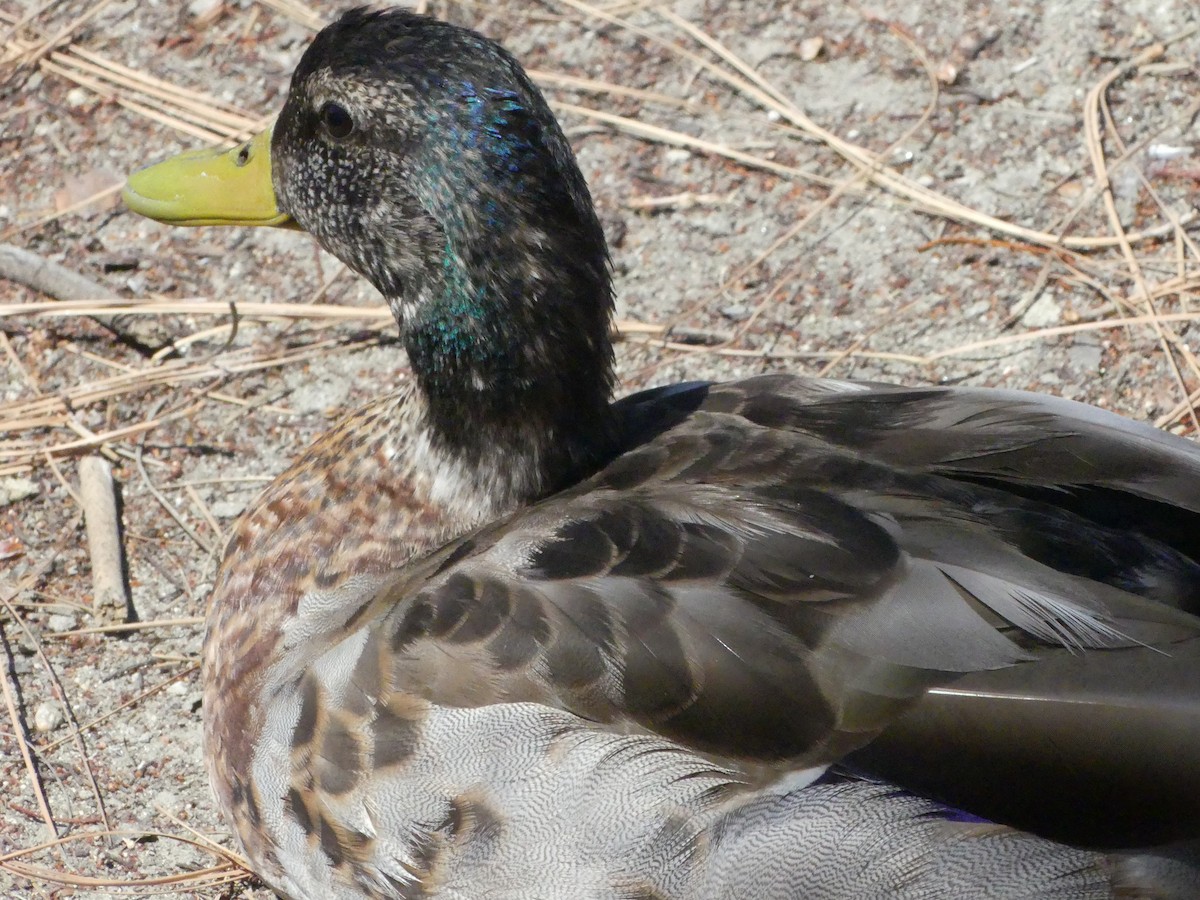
47,717
1166,151
1046,312
227,509
14,489
60,622
205,11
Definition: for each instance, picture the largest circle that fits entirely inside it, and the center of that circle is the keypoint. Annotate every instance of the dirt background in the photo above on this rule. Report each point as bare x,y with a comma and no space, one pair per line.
790,258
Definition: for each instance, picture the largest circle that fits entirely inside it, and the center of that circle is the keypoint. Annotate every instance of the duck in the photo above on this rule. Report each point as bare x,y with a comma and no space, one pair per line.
497,634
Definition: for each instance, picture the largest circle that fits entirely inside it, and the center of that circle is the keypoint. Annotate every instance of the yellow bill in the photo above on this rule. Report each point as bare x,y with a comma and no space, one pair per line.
210,187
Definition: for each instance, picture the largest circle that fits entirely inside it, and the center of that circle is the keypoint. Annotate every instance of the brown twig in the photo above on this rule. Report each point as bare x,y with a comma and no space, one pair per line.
110,593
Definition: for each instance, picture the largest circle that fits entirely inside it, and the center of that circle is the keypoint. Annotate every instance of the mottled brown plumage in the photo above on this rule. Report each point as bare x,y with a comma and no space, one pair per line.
494,636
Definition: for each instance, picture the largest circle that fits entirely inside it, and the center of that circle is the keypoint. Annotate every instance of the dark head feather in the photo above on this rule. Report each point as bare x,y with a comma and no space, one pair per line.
424,157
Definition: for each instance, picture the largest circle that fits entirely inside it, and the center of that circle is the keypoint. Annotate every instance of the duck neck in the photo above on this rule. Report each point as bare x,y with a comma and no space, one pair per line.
503,290
514,362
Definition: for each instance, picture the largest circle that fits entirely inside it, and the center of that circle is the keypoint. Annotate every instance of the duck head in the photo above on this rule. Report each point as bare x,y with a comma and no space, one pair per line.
423,157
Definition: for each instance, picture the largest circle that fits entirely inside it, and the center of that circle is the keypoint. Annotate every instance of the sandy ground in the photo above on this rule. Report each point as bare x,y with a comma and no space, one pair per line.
982,103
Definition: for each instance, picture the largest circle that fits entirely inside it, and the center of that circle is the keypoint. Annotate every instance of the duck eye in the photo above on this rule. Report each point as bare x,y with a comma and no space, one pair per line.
243,156
336,120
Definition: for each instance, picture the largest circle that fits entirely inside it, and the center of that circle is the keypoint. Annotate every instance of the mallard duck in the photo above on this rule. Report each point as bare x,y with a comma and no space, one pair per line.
497,635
